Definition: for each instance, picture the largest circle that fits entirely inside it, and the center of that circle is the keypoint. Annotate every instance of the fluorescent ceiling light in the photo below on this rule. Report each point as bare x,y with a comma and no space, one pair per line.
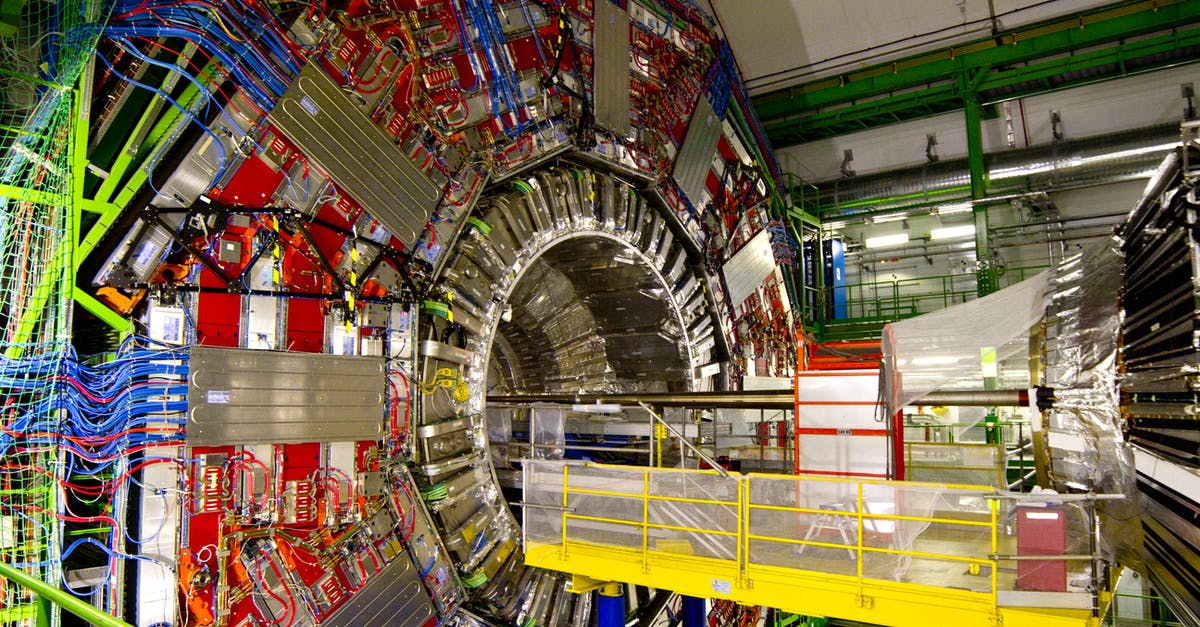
961,207
952,232
888,217
935,360
598,408
887,240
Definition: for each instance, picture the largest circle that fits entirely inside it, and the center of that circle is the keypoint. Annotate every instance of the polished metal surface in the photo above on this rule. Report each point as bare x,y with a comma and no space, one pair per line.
205,159
239,396
749,267
612,77
394,596
695,156
331,129
445,352
581,284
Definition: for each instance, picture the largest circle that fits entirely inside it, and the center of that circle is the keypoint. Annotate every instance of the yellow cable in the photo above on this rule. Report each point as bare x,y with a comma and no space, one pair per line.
217,15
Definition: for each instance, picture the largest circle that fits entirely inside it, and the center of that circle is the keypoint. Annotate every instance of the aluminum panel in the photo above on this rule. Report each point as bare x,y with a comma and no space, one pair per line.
392,597
748,268
362,159
612,77
446,352
696,155
239,396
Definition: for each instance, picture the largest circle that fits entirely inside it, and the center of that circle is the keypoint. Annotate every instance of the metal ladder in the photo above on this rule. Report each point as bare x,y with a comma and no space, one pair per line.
842,524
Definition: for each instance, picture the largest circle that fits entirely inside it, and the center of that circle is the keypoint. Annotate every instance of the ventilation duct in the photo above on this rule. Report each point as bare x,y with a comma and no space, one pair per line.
1070,164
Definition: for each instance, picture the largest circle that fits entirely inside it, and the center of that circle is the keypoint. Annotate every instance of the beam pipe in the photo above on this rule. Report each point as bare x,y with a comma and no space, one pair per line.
773,399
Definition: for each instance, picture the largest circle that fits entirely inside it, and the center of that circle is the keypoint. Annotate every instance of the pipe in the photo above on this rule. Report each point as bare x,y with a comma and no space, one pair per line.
61,598
1090,161
610,606
1026,477
769,399
1043,558
693,612
683,440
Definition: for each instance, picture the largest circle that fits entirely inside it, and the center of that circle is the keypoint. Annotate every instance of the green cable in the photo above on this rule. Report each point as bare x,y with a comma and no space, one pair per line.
477,579
435,492
483,227
437,308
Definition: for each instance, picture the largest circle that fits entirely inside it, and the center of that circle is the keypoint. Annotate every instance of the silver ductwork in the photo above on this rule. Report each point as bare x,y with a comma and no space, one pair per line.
1069,164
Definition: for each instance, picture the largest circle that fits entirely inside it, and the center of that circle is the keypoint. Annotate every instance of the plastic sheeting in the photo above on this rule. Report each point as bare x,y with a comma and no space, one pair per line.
1077,304
1087,447
945,349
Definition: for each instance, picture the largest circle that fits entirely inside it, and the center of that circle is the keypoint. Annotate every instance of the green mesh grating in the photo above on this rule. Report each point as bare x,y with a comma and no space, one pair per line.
44,48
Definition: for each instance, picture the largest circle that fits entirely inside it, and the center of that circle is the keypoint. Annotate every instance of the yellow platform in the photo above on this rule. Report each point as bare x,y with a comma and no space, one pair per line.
888,553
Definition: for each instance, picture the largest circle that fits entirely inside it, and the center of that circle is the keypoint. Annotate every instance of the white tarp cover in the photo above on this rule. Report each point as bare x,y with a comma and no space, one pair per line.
941,349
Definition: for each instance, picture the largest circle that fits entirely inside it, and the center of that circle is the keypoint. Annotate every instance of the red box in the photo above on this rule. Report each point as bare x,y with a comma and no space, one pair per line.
1041,531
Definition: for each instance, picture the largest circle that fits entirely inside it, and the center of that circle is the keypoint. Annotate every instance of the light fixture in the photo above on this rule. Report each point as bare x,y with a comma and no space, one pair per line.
953,232
882,241
935,360
597,408
959,207
888,217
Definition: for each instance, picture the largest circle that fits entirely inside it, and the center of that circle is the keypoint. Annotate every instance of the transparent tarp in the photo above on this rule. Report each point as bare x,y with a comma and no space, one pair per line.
547,430
918,533
671,512
1076,305
962,464
953,348
1087,448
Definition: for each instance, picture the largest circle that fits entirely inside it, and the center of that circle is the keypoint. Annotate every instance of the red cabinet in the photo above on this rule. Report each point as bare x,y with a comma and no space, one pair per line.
1041,531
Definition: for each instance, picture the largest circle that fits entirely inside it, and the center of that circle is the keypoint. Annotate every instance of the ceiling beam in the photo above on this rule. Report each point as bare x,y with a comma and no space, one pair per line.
1119,40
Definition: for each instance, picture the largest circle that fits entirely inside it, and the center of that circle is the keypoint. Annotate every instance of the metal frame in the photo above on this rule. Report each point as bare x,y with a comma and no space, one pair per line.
1013,64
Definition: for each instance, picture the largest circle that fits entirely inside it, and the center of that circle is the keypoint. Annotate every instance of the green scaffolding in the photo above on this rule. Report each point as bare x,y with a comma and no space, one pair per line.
45,50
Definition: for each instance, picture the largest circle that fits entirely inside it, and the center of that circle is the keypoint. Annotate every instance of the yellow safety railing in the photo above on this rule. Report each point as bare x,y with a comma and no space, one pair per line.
583,508
903,553
860,517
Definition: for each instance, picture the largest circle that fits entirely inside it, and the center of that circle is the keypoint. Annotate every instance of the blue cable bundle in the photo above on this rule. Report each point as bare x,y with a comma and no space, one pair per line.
98,413
504,86
244,37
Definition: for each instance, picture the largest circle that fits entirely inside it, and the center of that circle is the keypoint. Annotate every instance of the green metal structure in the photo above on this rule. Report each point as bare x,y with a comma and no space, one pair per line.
1112,42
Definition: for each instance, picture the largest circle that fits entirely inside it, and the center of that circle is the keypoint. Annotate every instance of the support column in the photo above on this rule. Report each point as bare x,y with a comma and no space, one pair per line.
693,612
985,276
610,606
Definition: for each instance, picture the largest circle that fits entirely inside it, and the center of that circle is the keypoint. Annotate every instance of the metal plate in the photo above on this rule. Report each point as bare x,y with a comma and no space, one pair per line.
238,396
612,67
696,154
748,268
362,159
446,352
392,597
198,170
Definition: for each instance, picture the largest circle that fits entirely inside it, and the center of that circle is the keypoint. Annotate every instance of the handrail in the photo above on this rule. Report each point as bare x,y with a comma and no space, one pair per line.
862,518
61,598
683,439
628,526
899,298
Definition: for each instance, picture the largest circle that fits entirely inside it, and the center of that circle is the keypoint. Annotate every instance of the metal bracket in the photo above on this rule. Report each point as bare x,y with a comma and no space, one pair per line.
580,584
